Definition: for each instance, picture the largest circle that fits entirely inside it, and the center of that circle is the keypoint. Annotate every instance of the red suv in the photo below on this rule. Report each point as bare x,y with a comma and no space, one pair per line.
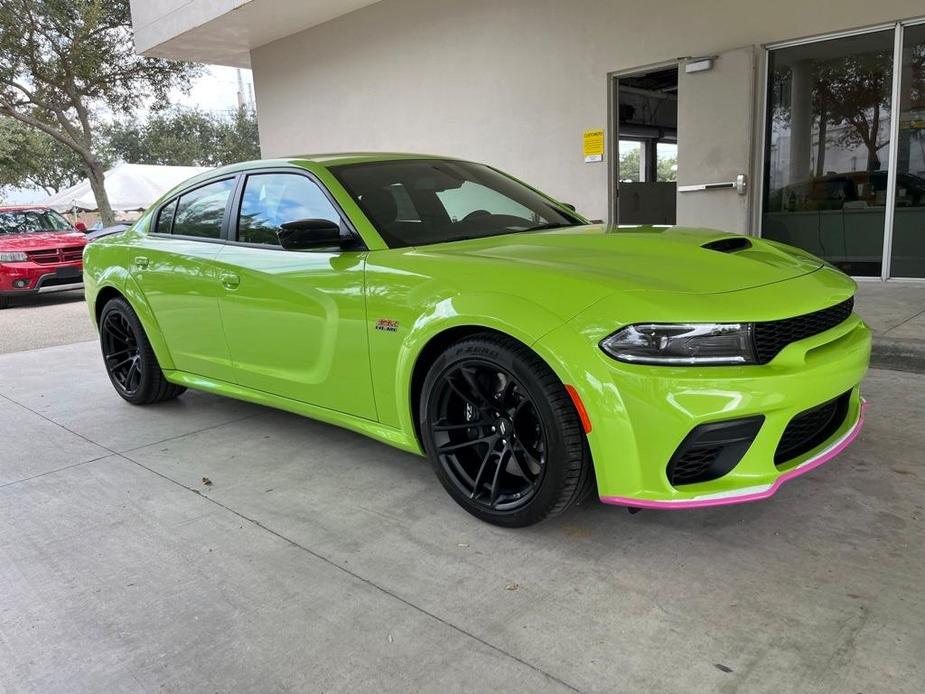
39,252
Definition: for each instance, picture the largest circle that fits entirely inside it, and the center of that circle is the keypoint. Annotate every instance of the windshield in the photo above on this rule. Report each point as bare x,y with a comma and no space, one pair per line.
29,221
425,201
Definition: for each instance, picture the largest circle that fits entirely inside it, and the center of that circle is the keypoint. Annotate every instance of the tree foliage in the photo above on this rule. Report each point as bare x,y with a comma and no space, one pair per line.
630,166
185,137
65,63
31,159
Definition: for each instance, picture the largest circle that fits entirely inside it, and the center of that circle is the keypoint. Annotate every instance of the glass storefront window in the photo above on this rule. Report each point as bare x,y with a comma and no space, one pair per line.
827,156
908,251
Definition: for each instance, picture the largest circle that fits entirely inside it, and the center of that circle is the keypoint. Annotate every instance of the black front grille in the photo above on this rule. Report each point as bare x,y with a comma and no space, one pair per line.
693,465
811,428
60,281
772,336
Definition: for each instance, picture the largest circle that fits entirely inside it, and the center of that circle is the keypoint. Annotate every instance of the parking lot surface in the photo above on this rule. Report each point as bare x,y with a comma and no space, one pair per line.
210,545
45,320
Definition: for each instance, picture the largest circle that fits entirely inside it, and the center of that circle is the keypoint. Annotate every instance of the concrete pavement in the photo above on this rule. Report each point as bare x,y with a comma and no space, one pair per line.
207,544
895,312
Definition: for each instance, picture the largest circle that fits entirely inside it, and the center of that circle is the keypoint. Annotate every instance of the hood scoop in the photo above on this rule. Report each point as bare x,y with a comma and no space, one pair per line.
733,244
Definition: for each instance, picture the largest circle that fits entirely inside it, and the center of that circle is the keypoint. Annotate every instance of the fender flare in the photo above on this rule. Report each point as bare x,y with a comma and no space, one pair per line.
120,280
479,310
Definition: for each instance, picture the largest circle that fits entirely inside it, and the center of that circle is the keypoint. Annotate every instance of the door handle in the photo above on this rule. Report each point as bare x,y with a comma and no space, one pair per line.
739,185
230,280
141,261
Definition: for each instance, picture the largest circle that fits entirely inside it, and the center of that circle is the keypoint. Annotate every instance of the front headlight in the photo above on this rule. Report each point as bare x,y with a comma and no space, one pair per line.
682,344
13,257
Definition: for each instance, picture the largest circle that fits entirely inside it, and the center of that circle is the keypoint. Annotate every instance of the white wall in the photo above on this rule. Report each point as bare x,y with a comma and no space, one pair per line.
512,83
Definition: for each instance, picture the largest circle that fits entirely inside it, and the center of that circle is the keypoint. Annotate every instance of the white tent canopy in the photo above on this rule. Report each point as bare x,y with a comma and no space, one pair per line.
130,187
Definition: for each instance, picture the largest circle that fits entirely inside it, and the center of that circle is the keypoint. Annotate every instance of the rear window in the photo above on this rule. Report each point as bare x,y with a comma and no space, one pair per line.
201,211
165,219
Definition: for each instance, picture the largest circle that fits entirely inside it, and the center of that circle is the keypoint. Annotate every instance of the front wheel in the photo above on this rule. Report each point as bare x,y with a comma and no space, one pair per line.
130,360
502,433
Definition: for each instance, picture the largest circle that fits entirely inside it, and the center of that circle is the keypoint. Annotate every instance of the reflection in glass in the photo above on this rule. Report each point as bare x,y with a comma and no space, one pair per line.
908,252
828,149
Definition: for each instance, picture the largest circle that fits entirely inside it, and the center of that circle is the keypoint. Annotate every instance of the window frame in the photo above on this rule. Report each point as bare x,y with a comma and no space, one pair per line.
222,232
234,213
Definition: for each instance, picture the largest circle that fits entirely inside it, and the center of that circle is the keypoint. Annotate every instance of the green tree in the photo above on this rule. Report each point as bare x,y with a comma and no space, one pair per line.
629,163
185,137
65,63
31,159
237,138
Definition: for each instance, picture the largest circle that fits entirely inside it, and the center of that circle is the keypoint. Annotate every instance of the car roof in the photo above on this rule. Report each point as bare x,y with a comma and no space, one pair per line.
326,160
302,161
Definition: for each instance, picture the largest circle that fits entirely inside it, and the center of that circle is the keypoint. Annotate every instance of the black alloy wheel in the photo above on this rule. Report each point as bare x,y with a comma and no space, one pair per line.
488,434
121,353
130,360
502,433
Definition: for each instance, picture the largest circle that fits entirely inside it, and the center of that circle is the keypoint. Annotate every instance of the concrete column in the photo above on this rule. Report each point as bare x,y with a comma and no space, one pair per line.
801,119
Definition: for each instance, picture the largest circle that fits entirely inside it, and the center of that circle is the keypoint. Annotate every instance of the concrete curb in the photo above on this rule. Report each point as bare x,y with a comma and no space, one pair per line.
898,354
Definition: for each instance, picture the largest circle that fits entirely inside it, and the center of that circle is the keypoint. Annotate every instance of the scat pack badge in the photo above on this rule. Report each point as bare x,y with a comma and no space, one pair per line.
386,325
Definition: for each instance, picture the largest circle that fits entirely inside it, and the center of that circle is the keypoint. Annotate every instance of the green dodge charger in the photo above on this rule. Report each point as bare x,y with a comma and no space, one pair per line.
450,310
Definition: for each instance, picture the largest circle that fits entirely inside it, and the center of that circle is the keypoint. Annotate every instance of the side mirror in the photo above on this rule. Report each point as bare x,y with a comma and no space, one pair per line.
302,234
80,226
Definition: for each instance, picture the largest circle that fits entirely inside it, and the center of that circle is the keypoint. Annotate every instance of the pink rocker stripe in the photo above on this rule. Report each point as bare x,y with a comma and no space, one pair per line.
810,464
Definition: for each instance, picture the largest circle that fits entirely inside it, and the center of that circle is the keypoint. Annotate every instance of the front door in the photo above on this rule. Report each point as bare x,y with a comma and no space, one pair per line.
174,268
295,320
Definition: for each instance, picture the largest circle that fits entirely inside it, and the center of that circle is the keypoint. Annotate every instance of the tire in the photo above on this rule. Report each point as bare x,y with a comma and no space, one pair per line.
502,434
5,302
129,358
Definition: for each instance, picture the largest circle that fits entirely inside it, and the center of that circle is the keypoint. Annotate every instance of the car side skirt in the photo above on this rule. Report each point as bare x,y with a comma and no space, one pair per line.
741,496
381,432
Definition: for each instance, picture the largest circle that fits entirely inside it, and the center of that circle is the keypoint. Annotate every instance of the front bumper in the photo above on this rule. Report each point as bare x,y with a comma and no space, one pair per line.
22,278
640,415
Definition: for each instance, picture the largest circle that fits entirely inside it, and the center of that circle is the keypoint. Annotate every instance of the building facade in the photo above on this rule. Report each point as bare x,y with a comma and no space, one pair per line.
802,122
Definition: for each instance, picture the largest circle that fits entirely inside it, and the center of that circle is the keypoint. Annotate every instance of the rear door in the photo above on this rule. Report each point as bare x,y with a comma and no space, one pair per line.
174,266
295,320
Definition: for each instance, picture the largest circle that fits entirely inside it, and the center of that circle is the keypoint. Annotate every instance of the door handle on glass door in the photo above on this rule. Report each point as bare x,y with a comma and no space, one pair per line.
230,280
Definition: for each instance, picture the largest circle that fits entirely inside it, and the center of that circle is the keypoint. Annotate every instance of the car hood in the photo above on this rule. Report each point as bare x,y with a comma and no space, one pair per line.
41,240
673,259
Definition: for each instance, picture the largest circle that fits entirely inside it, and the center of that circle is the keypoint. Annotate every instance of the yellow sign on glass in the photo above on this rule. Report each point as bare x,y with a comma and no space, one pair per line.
594,145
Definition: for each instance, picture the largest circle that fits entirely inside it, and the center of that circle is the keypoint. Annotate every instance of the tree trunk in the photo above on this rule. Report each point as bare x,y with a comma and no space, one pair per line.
97,184
820,146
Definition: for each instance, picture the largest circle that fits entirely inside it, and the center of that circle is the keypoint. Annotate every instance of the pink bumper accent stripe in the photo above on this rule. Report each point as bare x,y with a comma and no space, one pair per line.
744,497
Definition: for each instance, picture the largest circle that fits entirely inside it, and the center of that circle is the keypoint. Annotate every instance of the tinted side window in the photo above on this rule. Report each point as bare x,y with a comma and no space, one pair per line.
270,200
200,212
165,219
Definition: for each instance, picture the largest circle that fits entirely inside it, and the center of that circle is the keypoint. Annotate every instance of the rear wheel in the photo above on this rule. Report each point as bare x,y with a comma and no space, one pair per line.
130,361
4,302
502,434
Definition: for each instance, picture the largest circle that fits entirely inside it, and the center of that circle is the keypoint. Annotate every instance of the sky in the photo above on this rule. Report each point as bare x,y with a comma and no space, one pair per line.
216,90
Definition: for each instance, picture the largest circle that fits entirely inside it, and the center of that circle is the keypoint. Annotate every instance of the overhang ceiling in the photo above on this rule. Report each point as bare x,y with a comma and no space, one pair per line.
223,32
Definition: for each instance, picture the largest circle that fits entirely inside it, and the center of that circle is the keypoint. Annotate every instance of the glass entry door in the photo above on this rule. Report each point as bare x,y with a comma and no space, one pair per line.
827,157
